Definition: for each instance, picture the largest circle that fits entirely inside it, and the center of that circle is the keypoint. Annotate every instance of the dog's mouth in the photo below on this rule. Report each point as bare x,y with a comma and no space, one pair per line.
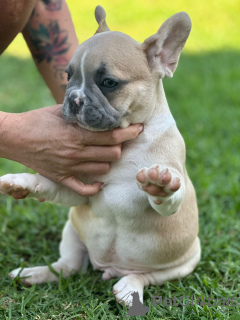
94,119
91,117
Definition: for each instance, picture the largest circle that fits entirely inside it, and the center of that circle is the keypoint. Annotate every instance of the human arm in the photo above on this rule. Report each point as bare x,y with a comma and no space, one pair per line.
49,32
59,151
52,40
42,140
13,16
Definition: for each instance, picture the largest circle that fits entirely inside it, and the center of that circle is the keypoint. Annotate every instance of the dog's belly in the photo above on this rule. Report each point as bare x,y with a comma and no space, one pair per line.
110,223
124,234
111,245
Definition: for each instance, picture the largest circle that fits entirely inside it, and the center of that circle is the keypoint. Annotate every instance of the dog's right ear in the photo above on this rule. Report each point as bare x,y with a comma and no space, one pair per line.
100,16
164,48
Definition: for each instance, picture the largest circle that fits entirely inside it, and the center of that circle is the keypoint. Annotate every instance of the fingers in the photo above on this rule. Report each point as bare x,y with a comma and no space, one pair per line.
92,168
101,153
111,137
84,190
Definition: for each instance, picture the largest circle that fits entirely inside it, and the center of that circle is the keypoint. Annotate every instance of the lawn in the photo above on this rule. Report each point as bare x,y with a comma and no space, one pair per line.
204,98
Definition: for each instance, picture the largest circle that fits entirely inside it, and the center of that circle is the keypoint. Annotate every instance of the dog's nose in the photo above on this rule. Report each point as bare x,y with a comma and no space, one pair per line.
76,103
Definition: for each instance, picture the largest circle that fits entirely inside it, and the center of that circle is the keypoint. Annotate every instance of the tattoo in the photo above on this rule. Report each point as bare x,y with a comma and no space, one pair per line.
53,5
49,42
59,68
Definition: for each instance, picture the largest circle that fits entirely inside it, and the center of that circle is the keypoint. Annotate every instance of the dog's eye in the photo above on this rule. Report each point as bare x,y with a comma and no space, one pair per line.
109,83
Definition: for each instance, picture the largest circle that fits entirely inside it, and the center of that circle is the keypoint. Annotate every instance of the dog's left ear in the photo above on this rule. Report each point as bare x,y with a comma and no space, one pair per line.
163,48
100,16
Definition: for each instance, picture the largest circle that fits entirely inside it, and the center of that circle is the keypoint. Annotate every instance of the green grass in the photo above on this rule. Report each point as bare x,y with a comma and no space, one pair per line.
204,98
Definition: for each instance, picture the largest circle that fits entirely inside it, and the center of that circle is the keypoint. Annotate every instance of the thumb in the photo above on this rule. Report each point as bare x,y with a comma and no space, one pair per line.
84,190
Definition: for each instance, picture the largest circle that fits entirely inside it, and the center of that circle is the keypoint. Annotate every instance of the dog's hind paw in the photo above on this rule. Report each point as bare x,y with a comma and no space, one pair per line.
126,286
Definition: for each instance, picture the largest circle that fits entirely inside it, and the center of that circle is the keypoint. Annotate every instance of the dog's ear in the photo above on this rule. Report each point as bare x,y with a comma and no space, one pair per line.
163,48
100,16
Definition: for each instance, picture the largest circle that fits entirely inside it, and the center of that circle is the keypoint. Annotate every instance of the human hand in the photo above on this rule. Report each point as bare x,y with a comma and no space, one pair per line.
62,152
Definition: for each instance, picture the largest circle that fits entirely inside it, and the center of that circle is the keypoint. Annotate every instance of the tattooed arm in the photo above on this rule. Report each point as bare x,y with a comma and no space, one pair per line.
52,41
67,152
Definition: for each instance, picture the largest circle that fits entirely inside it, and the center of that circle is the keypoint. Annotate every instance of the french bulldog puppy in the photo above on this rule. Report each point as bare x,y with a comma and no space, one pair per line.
143,225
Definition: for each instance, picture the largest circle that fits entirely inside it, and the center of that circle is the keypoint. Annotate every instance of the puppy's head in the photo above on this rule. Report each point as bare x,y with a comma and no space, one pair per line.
113,79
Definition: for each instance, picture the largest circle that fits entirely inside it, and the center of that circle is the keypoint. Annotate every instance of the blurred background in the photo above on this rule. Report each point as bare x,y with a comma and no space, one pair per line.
216,24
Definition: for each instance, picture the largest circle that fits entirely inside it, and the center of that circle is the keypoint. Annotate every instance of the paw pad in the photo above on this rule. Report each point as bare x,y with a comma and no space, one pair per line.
158,182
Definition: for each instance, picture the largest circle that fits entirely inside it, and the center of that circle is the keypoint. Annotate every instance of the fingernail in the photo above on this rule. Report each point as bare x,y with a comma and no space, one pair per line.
141,128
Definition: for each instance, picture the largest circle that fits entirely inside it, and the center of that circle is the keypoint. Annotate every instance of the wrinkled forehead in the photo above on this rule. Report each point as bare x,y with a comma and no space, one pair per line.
111,52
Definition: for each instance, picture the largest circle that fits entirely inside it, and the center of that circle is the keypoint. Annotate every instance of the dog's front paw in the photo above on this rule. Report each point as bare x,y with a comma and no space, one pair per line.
14,185
30,276
157,182
21,185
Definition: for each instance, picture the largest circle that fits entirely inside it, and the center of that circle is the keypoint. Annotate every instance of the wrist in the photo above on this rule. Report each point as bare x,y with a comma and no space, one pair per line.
9,134
3,133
